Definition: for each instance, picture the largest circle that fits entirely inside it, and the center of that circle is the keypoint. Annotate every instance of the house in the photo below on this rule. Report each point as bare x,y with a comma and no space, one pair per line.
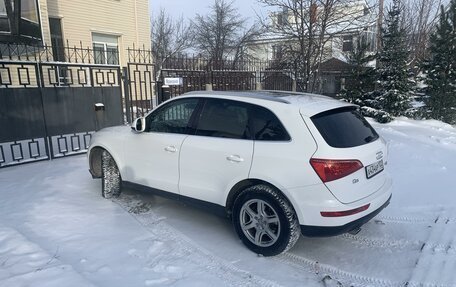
357,20
350,21
108,27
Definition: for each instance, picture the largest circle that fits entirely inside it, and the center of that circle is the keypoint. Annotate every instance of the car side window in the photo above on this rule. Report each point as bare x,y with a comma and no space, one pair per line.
225,119
173,117
266,126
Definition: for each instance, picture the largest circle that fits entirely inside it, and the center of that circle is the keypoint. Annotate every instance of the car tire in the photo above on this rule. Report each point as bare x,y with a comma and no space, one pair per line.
110,180
265,221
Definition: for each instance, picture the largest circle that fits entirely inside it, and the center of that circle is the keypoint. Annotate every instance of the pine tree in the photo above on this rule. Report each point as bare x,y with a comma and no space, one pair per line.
360,87
362,79
393,84
441,68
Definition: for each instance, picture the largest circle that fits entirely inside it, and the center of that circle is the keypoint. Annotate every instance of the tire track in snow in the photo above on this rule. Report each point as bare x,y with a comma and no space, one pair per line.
432,215
436,262
221,268
427,245
227,271
344,277
370,241
405,219
416,220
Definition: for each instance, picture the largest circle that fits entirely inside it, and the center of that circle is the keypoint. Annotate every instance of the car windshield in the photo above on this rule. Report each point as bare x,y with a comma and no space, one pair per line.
344,128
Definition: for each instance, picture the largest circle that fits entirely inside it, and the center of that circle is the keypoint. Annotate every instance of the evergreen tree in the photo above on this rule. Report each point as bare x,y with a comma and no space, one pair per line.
362,79
394,89
441,68
360,87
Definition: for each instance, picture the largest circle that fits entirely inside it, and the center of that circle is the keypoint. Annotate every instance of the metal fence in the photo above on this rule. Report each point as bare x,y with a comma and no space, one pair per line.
197,73
48,108
277,80
139,83
50,96
48,53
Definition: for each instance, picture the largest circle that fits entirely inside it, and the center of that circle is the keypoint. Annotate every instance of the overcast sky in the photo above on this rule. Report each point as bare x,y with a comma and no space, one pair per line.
188,8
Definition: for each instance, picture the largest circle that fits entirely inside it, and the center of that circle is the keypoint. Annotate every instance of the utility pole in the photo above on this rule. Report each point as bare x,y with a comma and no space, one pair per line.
379,25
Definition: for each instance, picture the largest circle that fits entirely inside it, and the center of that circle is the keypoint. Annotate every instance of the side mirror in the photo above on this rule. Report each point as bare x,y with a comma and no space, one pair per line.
139,125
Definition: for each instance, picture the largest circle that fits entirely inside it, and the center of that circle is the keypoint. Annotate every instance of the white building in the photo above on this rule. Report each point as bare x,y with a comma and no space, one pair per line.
350,20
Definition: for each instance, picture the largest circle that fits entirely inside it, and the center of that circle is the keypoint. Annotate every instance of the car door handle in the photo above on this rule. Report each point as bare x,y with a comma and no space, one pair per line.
234,158
170,148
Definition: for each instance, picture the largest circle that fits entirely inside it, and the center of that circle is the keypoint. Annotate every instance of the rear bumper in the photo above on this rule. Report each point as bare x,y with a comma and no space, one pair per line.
323,231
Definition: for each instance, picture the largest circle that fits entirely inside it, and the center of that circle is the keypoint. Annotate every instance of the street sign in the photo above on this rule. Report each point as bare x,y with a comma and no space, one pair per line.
173,81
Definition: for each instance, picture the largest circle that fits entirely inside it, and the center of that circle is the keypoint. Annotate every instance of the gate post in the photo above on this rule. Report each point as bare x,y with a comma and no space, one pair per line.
126,85
209,79
99,115
166,93
41,85
294,86
158,86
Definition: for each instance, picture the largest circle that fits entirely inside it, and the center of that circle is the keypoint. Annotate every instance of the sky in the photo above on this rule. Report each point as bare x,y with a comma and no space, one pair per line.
189,8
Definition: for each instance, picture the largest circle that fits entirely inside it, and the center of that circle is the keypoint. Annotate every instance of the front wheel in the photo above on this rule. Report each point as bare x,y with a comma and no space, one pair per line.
265,221
110,180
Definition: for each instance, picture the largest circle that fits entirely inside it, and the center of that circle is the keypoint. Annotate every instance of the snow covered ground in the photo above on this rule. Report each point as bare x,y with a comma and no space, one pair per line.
56,230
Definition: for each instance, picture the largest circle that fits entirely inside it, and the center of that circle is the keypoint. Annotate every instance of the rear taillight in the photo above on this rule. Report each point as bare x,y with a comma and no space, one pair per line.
345,212
331,169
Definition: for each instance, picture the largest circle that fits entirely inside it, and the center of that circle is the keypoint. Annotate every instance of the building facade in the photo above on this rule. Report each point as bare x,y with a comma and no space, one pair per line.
351,20
108,27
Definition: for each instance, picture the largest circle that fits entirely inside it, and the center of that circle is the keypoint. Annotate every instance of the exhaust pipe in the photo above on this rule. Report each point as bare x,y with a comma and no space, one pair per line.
355,231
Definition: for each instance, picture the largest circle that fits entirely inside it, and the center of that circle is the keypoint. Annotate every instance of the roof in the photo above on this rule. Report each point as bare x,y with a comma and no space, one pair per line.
307,103
335,65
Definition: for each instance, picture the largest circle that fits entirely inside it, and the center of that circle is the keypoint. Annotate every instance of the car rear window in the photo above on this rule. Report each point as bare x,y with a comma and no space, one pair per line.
344,127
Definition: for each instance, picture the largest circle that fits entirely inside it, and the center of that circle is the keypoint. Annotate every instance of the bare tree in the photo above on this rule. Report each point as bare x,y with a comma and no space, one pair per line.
222,33
169,37
418,19
306,26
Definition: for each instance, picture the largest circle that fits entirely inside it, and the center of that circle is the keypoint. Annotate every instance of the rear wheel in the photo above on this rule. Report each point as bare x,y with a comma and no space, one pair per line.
265,221
110,180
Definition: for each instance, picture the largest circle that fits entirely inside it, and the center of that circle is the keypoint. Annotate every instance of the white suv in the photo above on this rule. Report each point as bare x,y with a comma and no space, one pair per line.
277,163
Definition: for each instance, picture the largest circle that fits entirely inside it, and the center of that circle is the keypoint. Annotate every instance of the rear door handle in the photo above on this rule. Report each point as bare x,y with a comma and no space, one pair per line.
170,148
234,158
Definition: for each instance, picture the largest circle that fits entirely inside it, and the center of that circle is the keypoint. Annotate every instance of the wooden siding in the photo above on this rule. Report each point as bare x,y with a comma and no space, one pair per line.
127,19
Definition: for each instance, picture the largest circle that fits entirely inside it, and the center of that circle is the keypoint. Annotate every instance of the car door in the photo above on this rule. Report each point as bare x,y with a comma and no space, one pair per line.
154,154
219,154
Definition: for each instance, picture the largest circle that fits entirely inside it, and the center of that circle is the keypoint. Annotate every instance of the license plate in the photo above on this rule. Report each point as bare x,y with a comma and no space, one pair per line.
374,168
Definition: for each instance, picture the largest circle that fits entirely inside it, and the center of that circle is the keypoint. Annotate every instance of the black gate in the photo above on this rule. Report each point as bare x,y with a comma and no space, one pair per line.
139,83
276,80
49,110
228,80
192,80
141,89
196,80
